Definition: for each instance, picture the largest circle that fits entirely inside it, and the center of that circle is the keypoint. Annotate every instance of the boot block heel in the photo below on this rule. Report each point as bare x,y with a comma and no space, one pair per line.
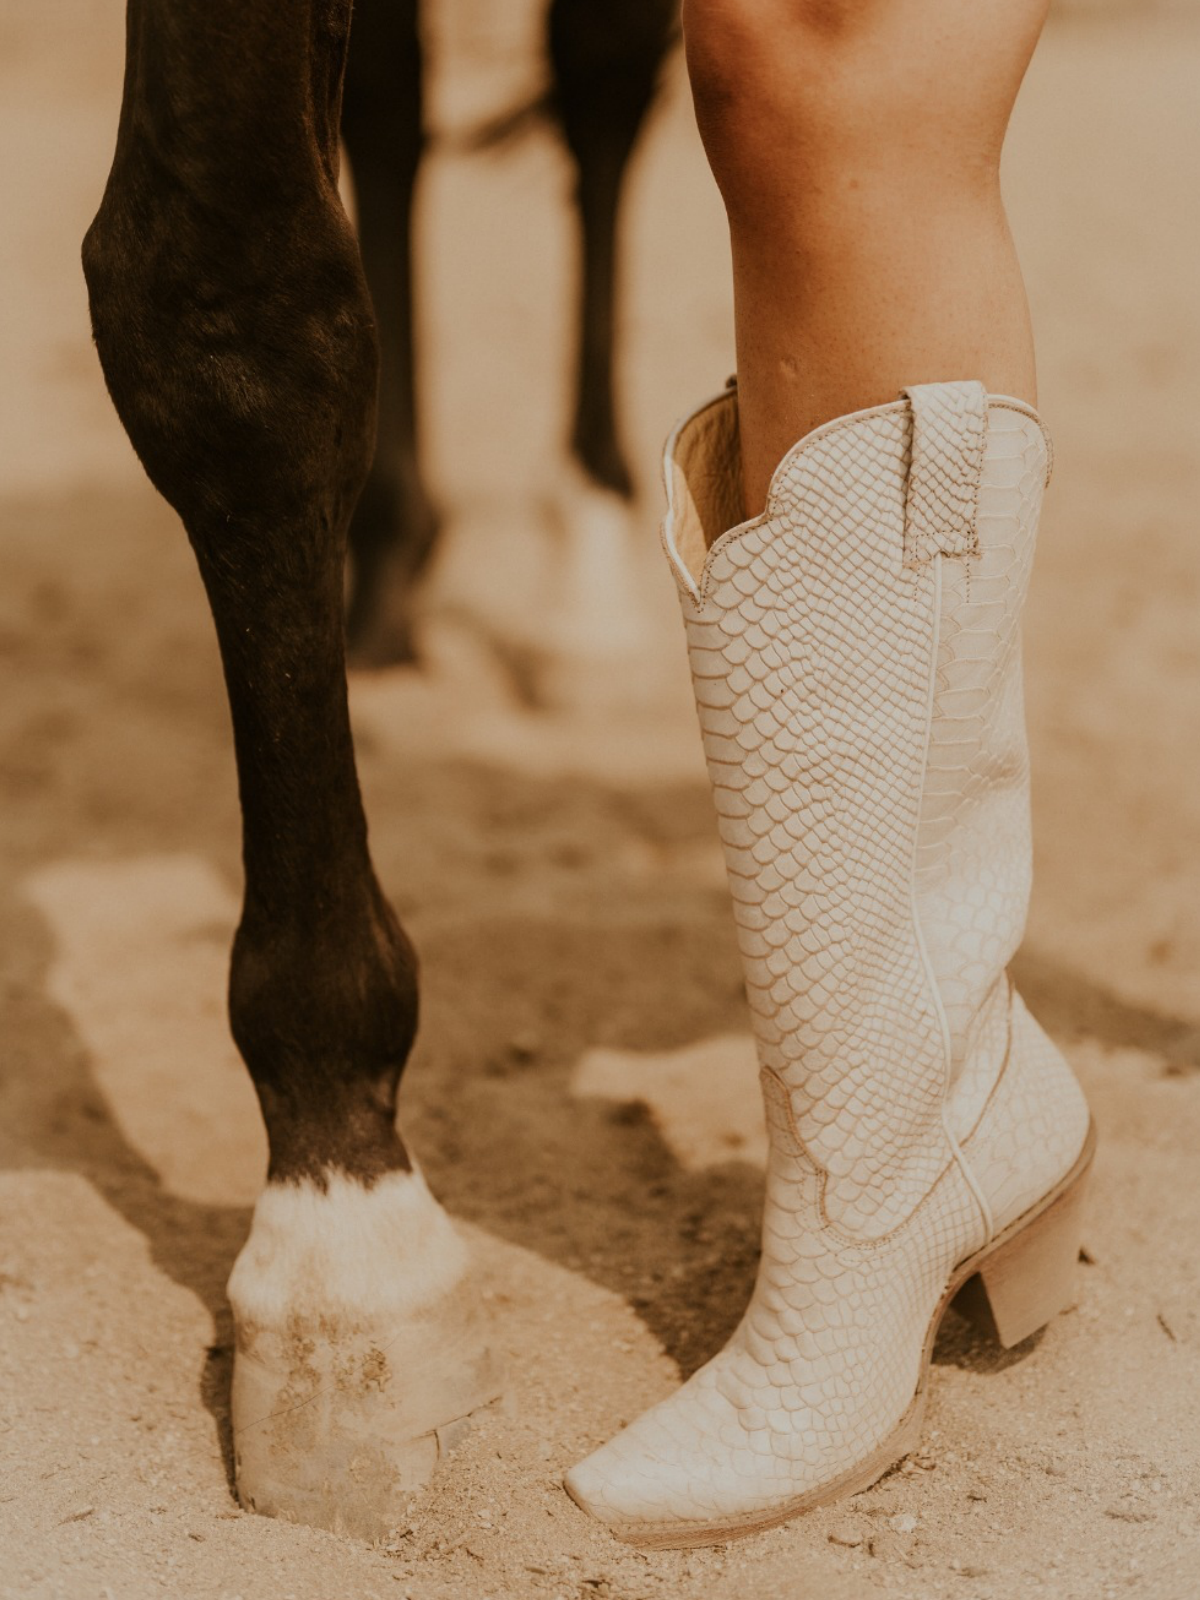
1025,1280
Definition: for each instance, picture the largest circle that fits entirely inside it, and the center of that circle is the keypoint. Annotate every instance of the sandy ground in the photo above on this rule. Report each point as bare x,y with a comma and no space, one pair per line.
580,1095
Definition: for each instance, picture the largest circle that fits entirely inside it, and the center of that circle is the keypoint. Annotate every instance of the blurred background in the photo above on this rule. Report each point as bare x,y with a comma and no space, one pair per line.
583,1089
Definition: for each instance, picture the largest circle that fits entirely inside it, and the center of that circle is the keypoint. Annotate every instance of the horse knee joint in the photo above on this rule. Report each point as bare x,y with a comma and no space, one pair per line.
243,368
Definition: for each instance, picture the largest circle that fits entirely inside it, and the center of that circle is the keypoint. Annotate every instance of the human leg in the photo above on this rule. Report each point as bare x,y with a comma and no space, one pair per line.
856,661
857,146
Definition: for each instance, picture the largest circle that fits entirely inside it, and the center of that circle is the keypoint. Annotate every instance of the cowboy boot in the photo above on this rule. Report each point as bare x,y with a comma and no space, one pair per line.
855,652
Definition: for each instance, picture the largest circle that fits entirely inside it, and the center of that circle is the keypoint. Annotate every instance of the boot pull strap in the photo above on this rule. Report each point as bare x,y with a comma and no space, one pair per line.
949,426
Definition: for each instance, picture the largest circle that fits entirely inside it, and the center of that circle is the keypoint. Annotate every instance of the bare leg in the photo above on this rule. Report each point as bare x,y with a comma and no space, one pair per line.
857,147
855,655
235,331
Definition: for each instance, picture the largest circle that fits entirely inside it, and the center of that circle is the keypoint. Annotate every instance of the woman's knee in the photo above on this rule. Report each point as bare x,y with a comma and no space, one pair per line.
799,85
767,74
723,34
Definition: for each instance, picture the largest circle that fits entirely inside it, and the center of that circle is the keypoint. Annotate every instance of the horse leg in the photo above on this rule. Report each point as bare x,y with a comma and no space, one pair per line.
605,64
394,526
235,332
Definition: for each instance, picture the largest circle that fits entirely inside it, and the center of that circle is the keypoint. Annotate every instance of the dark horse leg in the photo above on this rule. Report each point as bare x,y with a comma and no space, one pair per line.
236,336
605,64
605,60
394,526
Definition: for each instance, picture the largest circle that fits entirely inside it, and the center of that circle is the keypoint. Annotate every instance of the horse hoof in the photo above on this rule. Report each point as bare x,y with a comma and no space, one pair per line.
594,602
361,1355
595,630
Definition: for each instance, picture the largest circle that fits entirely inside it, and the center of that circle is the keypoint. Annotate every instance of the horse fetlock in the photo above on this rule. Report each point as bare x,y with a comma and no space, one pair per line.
361,1351
323,1007
313,981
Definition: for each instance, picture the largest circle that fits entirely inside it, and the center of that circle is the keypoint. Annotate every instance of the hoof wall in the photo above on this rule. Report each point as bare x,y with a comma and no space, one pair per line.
350,1455
361,1353
358,1488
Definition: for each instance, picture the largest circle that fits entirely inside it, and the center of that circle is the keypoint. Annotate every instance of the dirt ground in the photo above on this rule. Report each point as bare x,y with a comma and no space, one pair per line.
581,1094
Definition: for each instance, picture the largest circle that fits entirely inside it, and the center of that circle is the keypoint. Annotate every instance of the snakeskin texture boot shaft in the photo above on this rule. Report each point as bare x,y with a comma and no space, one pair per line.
856,659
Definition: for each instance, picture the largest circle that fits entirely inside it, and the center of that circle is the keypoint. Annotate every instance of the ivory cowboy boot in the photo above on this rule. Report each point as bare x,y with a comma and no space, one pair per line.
856,658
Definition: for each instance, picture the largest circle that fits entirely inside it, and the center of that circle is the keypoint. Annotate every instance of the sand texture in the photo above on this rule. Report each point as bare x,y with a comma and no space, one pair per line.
582,1092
